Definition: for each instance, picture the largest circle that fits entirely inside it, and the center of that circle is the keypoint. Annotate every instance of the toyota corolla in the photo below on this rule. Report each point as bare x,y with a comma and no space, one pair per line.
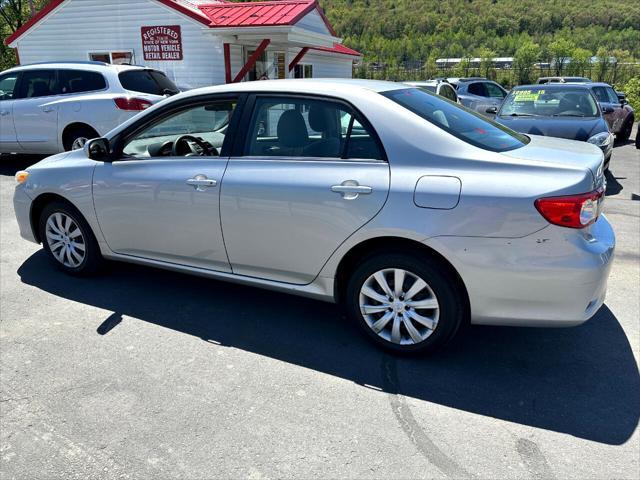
414,213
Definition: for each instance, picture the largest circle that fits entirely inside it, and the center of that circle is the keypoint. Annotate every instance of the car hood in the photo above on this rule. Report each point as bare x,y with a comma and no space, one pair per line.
571,128
557,151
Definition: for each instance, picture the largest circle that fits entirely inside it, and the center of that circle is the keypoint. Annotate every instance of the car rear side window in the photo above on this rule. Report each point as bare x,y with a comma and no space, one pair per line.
78,81
301,127
468,126
37,83
147,81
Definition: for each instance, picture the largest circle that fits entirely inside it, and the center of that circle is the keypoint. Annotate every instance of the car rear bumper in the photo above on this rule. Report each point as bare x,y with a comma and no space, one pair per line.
22,208
554,278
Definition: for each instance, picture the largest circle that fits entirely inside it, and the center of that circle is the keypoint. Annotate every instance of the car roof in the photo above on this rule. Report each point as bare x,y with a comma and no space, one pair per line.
554,86
299,85
424,83
88,65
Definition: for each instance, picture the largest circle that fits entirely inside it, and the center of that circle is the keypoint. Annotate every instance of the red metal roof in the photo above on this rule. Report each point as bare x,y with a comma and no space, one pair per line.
255,14
339,48
244,14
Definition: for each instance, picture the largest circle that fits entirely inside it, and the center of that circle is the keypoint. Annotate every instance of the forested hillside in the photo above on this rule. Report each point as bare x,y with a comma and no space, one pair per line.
397,30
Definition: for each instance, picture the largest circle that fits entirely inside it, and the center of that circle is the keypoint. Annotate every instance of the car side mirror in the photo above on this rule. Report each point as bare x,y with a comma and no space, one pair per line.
493,110
622,97
97,149
607,110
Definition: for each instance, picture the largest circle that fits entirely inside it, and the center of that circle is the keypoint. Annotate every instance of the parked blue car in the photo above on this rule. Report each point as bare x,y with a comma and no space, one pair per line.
557,110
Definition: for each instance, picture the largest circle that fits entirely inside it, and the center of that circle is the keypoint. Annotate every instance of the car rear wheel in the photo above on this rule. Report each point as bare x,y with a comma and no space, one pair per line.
77,137
625,132
68,239
405,304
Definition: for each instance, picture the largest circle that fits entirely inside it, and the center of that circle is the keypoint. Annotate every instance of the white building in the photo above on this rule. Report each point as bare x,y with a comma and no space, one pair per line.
195,42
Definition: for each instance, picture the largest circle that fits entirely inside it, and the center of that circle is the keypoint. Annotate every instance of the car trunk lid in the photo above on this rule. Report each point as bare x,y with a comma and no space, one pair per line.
561,152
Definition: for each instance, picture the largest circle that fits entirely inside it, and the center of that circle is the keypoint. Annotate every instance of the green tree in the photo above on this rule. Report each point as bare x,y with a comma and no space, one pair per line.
603,64
580,62
487,67
632,90
524,60
561,50
14,14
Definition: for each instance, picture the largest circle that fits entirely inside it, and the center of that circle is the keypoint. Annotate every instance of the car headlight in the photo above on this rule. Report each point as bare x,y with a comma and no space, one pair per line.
602,139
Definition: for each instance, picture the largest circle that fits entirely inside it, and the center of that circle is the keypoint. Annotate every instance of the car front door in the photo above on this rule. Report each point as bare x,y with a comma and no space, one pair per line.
8,138
619,113
603,99
35,111
160,199
310,173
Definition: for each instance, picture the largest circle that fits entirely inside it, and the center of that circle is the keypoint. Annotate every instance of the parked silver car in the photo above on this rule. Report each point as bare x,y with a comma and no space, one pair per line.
416,214
478,93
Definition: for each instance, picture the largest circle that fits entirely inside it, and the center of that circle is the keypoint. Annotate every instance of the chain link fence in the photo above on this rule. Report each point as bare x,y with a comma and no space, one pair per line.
618,74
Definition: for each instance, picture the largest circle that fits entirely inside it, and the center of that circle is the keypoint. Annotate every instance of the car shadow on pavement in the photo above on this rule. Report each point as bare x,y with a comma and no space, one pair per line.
11,164
581,381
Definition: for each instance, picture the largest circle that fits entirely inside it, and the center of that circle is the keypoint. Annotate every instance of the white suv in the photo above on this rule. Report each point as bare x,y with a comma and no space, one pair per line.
47,108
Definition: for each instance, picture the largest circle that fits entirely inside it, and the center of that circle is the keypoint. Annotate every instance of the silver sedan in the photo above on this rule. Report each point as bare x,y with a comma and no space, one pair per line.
414,213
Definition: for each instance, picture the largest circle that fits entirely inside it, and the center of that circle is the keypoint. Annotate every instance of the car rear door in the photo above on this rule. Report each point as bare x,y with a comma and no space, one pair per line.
35,111
8,138
310,172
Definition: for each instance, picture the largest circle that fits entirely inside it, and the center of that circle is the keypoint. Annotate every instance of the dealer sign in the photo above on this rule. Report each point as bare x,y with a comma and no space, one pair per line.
162,42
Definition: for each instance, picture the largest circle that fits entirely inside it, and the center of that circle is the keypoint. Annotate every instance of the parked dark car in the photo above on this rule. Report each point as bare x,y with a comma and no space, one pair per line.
617,111
557,110
478,93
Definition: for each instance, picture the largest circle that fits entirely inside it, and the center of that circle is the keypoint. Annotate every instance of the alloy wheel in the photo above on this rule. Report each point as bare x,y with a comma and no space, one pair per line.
399,306
79,143
65,240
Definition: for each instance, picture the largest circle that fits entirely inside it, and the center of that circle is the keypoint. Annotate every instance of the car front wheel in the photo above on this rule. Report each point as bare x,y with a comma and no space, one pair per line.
68,239
405,303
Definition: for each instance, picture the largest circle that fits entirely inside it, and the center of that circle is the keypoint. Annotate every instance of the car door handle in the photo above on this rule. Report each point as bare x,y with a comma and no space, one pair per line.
351,189
201,182
48,109
4,113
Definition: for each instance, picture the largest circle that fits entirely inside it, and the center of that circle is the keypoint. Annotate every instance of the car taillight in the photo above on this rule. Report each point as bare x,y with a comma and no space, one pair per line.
132,104
573,211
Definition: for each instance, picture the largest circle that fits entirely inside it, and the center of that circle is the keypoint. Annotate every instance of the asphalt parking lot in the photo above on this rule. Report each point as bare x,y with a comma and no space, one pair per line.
145,373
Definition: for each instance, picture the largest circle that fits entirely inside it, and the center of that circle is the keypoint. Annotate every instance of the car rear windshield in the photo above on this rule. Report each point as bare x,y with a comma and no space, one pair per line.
549,102
458,121
147,81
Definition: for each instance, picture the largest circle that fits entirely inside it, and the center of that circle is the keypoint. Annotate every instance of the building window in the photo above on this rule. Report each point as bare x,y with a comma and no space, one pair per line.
116,58
303,71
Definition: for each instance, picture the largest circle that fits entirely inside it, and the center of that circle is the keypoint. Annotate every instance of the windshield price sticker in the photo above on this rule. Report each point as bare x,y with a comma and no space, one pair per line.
527,95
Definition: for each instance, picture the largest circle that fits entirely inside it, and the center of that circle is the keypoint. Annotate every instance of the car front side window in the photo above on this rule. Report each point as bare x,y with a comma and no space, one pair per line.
493,91
477,89
37,83
196,131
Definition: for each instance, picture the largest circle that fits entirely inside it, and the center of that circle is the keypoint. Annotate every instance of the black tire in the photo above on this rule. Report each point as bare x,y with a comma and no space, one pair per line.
75,133
625,132
451,300
92,260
